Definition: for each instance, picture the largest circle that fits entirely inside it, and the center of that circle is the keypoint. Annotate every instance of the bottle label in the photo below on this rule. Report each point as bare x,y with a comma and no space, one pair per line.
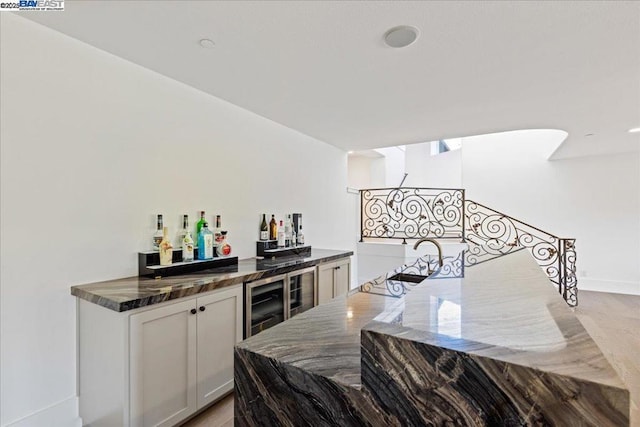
218,238
166,253
264,235
224,249
187,249
208,246
205,246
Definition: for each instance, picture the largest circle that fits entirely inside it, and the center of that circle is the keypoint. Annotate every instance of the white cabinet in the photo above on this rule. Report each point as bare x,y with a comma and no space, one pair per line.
163,365
156,366
334,279
219,329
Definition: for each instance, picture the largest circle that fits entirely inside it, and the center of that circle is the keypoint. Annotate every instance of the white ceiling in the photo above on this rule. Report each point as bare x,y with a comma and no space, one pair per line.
322,67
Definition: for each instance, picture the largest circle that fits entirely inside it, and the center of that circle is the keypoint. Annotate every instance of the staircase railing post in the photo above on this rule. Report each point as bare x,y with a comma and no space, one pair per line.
361,216
565,271
464,214
561,275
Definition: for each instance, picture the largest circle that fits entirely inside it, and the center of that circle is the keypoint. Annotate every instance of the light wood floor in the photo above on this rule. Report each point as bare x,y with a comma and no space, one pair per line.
612,320
218,415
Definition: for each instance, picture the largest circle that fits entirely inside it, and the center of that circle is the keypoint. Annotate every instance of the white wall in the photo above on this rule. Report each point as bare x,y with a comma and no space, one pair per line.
394,166
594,199
92,148
441,171
359,171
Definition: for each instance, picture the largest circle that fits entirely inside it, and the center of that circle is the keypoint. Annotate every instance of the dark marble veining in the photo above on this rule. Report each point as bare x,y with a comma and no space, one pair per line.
414,379
134,292
495,346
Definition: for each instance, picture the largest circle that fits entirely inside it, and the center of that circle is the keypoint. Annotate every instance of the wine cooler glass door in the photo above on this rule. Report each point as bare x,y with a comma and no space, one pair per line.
264,304
302,290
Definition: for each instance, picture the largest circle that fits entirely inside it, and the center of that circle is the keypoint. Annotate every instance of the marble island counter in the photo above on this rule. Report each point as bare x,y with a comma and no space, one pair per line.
135,292
492,344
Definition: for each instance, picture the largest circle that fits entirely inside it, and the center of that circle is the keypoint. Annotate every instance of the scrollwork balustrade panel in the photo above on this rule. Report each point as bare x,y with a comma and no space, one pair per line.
412,213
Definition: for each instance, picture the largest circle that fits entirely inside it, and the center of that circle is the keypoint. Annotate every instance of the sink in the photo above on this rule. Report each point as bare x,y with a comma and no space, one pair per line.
404,277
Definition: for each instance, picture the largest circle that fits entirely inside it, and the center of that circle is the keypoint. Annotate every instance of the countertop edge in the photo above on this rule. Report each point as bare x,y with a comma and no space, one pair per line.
190,287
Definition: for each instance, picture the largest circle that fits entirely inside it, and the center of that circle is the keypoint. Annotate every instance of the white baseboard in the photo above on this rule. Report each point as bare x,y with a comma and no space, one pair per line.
62,414
613,286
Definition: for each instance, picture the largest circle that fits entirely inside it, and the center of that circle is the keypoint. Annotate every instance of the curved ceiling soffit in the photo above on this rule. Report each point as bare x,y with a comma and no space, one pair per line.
550,140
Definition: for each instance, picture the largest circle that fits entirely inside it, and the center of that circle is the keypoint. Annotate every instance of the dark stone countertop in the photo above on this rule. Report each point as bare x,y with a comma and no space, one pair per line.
504,308
134,292
485,344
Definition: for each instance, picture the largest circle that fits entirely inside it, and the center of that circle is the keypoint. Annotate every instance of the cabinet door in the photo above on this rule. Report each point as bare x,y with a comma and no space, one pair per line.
342,277
219,329
162,345
325,282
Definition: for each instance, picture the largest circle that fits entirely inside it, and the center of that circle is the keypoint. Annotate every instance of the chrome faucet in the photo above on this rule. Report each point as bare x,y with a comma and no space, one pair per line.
435,242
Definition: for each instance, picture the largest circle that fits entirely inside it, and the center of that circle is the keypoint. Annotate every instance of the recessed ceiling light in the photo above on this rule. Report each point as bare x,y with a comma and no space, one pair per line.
207,43
350,152
634,130
401,36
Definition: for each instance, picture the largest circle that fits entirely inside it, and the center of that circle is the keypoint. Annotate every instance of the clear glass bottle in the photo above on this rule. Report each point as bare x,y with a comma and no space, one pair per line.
287,231
205,242
223,249
166,248
300,236
157,236
187,241
281,236
217,234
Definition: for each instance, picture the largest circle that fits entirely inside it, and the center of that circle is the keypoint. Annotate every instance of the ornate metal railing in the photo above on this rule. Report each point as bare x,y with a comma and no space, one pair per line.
491,234
415,213
412,213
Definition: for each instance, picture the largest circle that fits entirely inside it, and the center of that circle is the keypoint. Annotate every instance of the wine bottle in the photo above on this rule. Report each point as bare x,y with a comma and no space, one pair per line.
273,228
157,236
200,223
264,228
187,241
281,236
205,242
300,236
217,234
166,248
287,231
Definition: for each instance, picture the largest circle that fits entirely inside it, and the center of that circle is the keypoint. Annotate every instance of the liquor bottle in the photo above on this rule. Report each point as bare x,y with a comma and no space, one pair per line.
287,231
205,242
273,228
157,236
294,240
300,236
264,228
187,241
217,234
166,248
200,223
281,236
185,227
224,248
